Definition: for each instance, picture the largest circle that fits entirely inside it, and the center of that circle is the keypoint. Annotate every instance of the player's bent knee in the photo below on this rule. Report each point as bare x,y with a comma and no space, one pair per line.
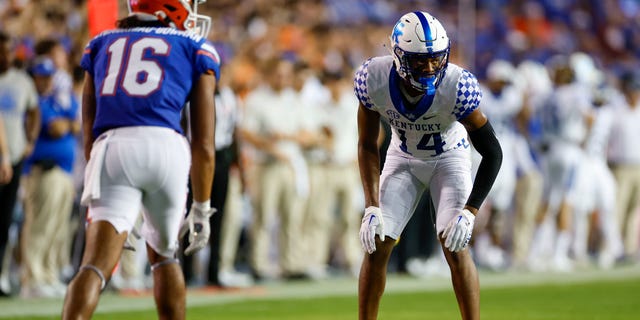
164,263
103,280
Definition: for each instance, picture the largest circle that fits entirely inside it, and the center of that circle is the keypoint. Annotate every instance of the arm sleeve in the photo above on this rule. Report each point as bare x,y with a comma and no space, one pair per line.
486,143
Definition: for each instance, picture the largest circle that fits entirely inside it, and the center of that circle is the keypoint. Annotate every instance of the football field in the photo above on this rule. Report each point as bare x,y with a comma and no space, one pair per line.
589,294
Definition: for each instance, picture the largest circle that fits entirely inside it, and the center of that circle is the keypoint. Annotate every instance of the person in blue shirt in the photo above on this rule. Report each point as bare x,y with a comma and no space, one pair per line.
139,77
49,190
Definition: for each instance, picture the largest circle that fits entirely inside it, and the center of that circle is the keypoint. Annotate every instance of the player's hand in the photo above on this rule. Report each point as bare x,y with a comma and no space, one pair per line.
372,223
457,234
6,172
197,224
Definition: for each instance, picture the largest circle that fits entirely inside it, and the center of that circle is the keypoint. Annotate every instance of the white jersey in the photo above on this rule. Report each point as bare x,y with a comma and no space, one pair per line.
623,148
430,128
502,108
597,141
564,114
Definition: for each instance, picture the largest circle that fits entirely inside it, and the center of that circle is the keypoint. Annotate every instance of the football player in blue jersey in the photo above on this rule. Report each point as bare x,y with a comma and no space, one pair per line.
432,107
138,79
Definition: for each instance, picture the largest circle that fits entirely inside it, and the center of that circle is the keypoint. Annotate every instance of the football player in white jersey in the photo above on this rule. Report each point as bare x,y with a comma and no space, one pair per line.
595,190
565,117
432,107
502,102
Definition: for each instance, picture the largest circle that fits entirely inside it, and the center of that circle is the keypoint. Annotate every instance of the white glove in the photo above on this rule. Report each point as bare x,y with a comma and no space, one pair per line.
457,234
197,223
372,223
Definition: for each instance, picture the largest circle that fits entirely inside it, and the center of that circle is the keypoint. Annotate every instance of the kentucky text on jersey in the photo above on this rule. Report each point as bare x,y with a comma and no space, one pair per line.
428,127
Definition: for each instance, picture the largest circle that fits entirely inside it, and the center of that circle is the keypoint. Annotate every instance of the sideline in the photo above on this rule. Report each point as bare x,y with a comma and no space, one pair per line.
112,302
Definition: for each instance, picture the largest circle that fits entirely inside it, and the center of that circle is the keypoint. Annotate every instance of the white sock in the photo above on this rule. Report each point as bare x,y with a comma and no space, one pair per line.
581,234
542,240
563,242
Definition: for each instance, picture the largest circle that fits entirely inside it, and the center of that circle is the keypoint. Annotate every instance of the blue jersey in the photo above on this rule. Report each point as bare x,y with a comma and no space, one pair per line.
143,76
58,150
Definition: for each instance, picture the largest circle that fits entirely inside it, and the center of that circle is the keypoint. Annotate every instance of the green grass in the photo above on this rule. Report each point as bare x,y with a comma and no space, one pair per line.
610,298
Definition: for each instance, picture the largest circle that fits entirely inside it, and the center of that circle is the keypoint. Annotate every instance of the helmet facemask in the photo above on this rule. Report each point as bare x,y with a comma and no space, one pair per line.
178,14
198,23
415,69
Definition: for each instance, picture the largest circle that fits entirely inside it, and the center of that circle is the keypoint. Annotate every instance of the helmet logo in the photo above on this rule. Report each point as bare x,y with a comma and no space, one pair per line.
397,31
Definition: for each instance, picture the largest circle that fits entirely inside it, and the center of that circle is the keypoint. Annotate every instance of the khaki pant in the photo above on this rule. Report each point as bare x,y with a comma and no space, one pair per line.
628,200
527,204
46,231
345,197
231,224
317,220
277,198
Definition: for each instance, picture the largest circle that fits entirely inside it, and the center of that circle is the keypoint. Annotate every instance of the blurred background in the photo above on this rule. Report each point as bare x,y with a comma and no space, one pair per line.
560,84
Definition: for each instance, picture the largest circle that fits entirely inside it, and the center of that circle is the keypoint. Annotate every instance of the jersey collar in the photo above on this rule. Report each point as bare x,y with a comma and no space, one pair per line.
400,102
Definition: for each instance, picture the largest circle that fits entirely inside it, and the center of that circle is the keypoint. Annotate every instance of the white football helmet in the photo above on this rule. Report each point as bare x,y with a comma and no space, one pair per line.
179,14
418,39
586,70
500,70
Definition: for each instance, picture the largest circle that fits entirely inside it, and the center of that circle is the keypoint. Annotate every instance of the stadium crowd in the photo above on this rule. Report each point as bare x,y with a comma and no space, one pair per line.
560,84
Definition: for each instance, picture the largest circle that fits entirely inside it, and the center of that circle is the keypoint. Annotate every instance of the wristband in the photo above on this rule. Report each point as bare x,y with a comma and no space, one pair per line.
372,209
203,206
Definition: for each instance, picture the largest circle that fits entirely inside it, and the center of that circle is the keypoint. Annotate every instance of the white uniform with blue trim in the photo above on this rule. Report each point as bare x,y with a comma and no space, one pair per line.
565,130
501,109
429,147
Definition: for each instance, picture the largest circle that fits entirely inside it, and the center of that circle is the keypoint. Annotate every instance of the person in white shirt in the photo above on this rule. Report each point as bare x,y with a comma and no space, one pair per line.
270,126
624,158
315,140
